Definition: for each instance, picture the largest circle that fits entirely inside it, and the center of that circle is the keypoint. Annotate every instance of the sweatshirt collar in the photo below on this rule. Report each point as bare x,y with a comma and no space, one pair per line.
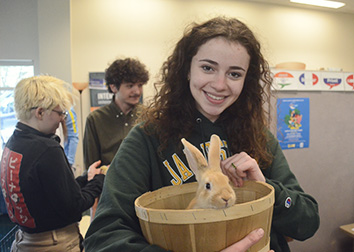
29,130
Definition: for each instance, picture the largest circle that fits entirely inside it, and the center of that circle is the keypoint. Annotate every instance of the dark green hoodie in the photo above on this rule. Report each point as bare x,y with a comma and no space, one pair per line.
138,168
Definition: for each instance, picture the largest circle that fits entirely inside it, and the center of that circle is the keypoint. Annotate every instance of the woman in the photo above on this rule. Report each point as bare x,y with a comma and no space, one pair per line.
42,196
215,82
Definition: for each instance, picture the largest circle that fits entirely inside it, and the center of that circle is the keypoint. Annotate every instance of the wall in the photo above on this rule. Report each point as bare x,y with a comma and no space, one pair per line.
19,31
325,169
105,29
54,38
38,30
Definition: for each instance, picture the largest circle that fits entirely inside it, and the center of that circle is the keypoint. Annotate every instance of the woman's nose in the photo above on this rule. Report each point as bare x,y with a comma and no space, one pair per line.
220,82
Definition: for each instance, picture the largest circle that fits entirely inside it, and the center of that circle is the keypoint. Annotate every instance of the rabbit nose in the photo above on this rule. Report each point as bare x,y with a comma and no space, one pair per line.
226,200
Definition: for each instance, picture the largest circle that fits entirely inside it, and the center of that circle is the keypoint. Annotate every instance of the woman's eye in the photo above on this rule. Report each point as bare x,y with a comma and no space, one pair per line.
207,68
235,75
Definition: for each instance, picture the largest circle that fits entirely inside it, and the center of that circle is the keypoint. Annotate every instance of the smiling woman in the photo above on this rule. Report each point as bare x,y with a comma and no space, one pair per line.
215,82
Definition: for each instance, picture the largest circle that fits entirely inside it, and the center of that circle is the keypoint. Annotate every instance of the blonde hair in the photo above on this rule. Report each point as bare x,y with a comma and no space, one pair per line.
41,91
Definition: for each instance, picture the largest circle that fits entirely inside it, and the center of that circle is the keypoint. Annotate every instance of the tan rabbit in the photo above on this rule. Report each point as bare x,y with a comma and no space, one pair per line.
214,189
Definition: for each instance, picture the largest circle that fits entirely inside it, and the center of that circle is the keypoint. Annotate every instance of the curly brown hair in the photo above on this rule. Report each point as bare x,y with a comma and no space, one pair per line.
126,70
245,120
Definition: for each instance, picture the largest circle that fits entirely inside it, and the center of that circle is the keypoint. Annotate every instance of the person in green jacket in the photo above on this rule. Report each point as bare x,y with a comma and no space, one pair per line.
215,82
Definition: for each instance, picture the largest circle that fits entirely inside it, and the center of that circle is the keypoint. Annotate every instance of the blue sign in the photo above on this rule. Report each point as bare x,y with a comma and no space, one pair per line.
293,122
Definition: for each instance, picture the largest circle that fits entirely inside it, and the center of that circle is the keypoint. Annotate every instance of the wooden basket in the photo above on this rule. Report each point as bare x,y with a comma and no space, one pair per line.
165,222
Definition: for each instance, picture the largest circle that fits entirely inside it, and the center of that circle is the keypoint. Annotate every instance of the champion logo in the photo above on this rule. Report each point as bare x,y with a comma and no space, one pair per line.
288,202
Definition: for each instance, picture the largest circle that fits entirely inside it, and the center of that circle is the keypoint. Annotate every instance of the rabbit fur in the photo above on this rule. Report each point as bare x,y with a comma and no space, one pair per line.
214,189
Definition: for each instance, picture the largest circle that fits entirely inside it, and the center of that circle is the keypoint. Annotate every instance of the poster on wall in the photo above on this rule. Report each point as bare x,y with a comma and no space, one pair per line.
349,82
305,80
332,81
293,122
99,95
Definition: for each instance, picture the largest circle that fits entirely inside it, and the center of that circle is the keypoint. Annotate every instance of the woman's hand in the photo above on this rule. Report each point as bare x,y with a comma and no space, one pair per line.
247,242
93,171
241,167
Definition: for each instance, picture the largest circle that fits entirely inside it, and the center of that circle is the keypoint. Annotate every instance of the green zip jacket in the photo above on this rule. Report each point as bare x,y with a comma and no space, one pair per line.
138,168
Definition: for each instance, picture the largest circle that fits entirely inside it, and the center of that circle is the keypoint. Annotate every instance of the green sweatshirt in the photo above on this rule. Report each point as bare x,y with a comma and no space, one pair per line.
138,168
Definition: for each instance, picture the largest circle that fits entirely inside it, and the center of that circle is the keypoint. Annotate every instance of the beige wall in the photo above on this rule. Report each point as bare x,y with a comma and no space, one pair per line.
105,29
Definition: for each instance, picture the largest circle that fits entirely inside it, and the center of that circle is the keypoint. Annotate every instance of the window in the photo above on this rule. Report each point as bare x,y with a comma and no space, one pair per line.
11,72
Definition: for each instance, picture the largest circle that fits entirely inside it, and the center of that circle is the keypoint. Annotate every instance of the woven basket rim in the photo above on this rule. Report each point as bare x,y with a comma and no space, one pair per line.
195,216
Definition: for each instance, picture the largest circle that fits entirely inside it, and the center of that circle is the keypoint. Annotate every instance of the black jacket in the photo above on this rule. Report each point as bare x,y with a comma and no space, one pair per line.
39,187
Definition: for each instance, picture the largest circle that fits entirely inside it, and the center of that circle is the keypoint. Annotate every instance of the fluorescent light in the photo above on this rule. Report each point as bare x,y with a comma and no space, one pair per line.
322,3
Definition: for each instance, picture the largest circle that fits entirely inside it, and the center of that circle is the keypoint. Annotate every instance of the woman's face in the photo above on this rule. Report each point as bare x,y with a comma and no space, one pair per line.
217,75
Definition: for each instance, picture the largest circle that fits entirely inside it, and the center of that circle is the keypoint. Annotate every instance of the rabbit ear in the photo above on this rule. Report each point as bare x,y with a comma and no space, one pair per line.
195,158
214,152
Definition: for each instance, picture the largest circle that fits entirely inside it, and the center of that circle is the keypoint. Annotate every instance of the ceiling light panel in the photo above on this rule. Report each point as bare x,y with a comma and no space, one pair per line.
322,3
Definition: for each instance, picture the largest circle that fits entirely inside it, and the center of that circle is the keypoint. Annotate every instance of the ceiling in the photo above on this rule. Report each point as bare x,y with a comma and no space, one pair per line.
348,8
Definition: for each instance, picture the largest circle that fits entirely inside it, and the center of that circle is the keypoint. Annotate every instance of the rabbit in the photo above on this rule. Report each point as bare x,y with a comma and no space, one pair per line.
214,189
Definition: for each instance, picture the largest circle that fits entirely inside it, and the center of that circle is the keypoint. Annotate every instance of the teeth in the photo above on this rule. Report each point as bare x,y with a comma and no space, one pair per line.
215,97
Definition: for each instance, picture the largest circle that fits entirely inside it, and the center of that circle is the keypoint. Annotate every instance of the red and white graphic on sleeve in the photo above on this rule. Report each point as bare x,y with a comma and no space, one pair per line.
10,183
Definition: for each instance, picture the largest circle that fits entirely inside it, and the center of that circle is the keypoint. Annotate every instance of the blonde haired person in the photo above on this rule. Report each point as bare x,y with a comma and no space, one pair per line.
41,193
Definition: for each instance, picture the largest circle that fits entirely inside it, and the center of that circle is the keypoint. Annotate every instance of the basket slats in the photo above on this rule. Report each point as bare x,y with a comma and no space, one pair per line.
165,222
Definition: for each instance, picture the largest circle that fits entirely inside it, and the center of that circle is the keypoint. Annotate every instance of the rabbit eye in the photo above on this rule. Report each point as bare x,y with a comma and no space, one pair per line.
207,186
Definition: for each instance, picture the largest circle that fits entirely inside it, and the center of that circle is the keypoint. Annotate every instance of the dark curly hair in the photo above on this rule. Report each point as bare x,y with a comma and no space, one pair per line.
173,109
126,70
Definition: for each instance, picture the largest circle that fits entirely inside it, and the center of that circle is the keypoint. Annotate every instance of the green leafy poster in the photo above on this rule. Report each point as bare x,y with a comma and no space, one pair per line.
293,122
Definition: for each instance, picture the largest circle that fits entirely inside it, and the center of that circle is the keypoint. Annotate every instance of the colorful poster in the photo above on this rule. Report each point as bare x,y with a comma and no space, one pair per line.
304,80
99,95
332,81
349,82
286,80
293,122
97,80
309,81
